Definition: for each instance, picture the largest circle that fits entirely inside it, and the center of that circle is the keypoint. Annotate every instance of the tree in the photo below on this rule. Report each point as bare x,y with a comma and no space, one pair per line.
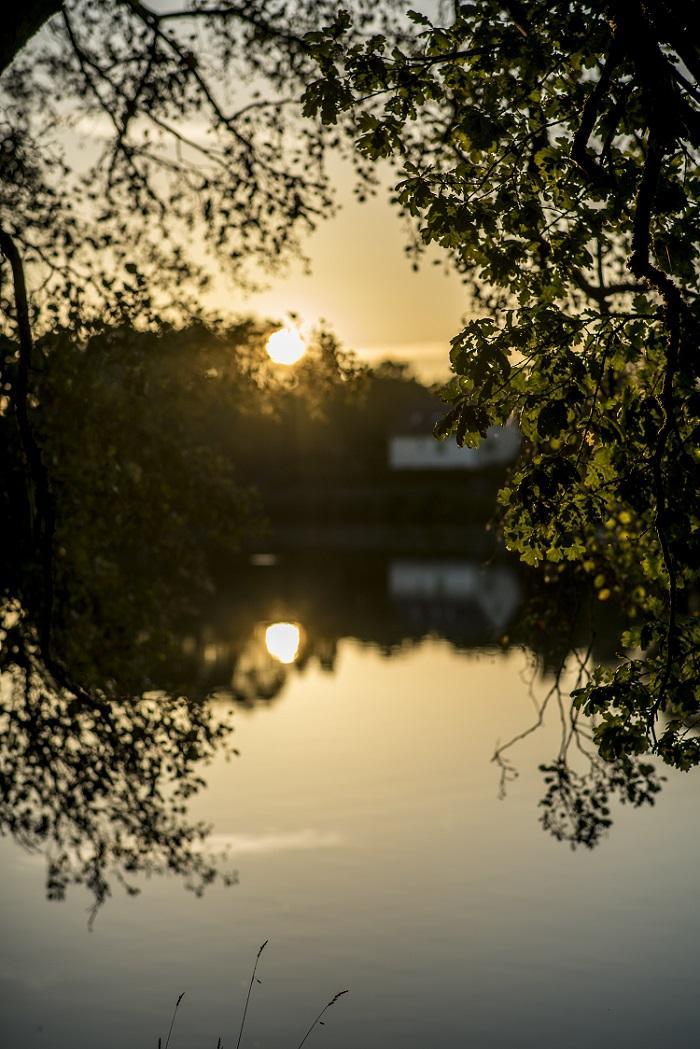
126,129
552,149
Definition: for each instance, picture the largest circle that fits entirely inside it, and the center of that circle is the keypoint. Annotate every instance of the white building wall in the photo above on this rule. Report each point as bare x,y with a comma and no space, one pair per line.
424,452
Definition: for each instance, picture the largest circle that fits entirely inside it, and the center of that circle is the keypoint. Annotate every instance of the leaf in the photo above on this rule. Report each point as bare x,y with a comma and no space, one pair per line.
552,419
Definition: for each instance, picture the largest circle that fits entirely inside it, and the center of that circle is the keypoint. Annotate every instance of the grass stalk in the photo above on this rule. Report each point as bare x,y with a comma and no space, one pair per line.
250,988
318,1019
172,1021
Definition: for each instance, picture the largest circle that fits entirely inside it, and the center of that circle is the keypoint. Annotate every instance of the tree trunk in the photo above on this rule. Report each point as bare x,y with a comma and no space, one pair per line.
40,505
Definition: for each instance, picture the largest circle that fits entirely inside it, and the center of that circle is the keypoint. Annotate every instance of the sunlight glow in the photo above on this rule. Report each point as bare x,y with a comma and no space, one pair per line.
286,346
282,641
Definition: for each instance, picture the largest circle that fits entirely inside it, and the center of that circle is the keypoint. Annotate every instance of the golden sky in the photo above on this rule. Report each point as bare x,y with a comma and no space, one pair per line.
362,284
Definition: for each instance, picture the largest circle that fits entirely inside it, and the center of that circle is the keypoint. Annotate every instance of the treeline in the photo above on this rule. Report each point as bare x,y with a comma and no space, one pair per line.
198,425
165,452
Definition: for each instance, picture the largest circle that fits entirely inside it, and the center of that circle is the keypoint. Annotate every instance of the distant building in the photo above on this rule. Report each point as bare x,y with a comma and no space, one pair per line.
412,445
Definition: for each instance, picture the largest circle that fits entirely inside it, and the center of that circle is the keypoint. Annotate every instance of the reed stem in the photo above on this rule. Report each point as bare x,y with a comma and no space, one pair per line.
172,1020
318,1018
250,988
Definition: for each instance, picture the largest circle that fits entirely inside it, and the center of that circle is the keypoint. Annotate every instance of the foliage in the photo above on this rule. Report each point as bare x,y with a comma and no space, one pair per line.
129,133
552,149
140,483
581,781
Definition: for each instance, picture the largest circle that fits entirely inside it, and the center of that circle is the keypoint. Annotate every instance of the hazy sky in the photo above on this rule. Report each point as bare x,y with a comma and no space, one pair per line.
362,284
361,281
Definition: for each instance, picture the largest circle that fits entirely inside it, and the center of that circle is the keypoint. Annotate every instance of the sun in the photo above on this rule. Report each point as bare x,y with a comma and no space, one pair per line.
282,641
286,346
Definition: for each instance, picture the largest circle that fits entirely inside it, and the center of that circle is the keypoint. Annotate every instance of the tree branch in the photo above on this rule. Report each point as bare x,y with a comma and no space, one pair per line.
641,266
579,149
39,498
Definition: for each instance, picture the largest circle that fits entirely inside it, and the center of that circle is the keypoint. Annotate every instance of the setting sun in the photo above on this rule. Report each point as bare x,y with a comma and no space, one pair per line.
282,641
286,346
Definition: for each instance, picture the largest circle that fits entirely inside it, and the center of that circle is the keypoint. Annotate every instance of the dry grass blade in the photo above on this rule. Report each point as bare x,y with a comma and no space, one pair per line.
172,1021
318,1019
250,988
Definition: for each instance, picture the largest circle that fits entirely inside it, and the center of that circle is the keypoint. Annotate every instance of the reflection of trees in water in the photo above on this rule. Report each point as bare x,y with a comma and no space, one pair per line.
403,601
580,786
358,596
136,609
244,670
99,780
100,784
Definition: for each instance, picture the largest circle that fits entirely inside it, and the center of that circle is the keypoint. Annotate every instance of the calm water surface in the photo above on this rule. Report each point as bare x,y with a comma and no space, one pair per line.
374,853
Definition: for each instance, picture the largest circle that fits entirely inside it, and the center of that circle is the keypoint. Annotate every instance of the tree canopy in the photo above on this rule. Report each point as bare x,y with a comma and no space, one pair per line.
552,149
128,133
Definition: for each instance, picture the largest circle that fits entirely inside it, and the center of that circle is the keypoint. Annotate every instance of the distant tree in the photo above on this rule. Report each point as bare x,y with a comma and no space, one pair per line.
553,150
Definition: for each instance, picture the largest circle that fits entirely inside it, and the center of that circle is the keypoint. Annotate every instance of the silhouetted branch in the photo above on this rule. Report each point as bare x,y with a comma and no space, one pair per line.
579,149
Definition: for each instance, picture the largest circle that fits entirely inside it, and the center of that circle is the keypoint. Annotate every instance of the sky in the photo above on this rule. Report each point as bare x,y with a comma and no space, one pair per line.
361,283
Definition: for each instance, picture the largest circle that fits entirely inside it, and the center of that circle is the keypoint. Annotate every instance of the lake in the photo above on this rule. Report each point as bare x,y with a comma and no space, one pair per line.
373,848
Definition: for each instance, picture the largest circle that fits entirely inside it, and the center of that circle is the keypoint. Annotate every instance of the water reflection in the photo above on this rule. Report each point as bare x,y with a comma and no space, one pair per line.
276,615
579,786
100,782
445,596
